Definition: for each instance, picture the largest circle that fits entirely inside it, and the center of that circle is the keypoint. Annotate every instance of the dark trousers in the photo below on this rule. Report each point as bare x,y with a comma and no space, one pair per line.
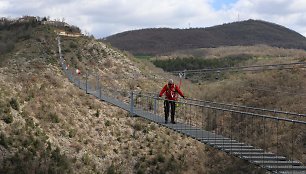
167,105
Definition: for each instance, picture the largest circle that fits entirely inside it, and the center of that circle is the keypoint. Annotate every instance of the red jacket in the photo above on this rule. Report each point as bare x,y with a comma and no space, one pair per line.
171,92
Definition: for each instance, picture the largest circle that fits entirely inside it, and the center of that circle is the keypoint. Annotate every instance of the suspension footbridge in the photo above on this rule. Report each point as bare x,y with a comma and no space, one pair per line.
254,134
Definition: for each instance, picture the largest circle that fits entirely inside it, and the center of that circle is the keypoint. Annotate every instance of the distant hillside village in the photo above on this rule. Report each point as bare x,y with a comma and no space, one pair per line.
63,29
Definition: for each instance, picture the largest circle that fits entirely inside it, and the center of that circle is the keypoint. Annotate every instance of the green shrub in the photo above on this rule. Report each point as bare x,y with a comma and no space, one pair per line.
8,118
62,163
29,122
137,126
116,151
97,114
180,64
37,143
86,159
107,123
72,133
56,155
152,127
67,50
24,36
3,140
79,56
73,45
160,158
140,171
54,118
111,169
14,104
172,165
146,57
6,47
145,131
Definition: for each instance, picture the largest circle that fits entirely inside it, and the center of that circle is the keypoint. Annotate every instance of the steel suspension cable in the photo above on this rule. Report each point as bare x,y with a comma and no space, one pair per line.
241,68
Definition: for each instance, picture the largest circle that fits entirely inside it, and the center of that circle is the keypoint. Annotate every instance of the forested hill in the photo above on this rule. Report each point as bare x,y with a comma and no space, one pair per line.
250,32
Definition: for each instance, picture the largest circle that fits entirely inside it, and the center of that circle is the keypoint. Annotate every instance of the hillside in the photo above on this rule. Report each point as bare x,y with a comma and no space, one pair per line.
47,125
245,33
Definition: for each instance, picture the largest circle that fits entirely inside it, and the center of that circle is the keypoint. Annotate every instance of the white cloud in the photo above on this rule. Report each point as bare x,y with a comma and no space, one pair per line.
290,14
4,5
105,17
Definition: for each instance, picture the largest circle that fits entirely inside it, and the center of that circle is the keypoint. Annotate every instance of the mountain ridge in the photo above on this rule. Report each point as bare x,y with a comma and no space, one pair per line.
155,41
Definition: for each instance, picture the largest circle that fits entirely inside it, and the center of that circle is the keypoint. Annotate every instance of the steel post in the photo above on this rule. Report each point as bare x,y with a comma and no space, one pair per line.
155,104
86,85
132,104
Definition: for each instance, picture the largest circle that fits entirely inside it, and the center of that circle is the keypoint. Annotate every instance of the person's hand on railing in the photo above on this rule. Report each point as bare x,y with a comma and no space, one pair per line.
159,97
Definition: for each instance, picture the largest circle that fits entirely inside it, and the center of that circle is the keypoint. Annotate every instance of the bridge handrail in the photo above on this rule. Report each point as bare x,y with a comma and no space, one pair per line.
240,106
231,110
249,107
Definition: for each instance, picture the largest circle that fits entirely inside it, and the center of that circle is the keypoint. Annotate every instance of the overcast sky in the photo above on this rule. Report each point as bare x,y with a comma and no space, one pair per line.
102,18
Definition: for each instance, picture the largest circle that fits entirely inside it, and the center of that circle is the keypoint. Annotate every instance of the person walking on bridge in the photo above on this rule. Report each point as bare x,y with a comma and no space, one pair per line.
171,90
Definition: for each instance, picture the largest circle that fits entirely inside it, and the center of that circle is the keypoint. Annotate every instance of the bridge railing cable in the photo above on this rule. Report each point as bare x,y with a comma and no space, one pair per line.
250,109
246,68
274,112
